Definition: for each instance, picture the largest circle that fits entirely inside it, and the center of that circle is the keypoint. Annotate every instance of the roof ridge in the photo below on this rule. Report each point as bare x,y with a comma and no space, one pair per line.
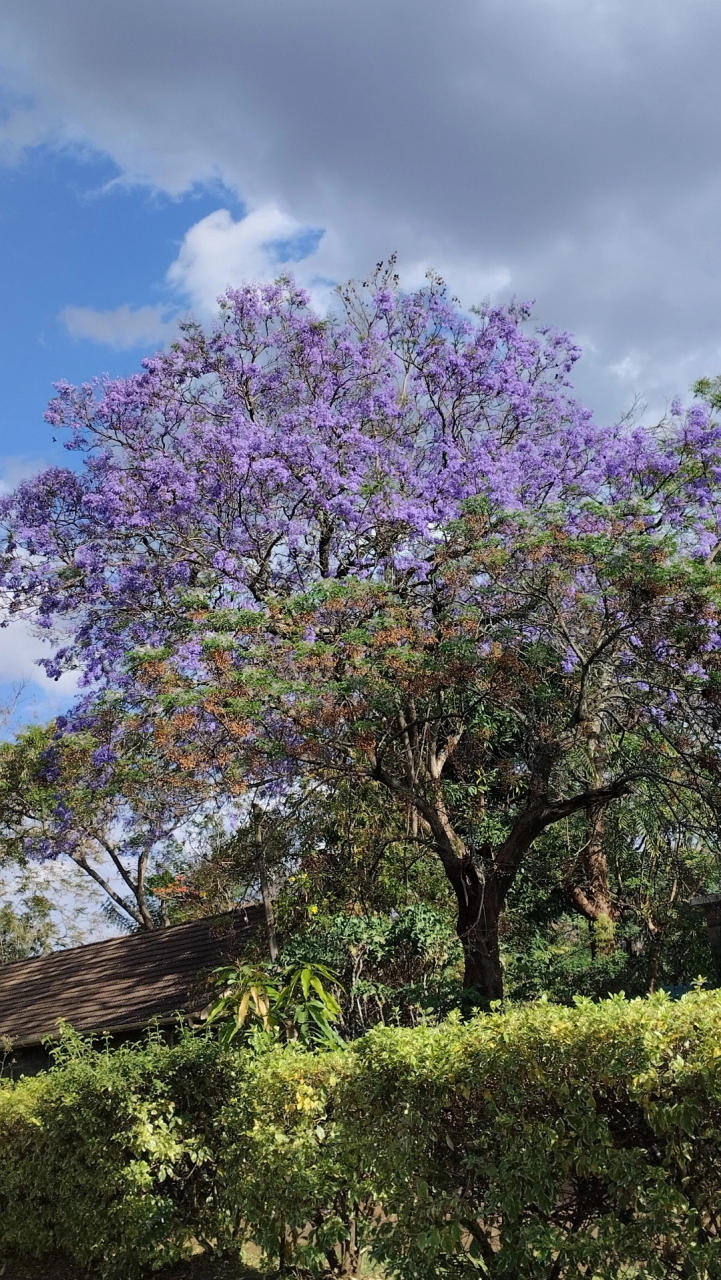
161,931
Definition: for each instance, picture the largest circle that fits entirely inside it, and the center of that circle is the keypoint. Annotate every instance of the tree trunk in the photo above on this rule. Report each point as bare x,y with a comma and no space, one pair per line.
587,879
481,897
479,909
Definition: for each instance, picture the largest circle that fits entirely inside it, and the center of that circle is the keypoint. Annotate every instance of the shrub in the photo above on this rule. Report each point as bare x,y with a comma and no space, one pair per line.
542,1143
108,1156
396,969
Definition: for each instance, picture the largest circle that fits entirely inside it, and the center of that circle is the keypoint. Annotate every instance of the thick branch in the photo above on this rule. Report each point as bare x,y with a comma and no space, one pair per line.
450,848
114,857
582,902
543,813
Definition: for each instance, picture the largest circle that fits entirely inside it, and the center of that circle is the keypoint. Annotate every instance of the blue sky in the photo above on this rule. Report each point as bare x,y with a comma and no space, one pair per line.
150,155
84,257
72,236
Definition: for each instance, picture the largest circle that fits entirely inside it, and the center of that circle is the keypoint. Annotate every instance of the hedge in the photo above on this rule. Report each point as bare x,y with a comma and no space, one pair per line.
537,1144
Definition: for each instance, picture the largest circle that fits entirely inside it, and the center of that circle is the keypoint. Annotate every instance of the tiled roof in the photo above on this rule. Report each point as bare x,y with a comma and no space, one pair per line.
121,982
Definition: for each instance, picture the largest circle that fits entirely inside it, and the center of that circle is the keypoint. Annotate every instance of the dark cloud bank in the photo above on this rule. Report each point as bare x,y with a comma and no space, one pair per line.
564,149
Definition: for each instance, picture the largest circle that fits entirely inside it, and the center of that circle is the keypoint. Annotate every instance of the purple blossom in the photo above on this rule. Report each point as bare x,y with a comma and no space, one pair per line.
277,451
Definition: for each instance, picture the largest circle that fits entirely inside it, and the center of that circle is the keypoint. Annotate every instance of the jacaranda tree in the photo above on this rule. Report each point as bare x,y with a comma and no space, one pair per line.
390,546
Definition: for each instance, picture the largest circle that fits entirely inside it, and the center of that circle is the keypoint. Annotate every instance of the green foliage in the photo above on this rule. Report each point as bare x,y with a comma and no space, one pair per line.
28,931
566,958
654,867
398,968
540,1144
709,389
98,1151
295,1006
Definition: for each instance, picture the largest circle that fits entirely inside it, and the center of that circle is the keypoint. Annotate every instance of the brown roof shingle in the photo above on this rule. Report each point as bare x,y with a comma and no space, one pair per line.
119,983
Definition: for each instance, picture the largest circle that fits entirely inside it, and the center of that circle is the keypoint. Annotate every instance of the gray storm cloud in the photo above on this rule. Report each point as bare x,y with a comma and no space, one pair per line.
567,151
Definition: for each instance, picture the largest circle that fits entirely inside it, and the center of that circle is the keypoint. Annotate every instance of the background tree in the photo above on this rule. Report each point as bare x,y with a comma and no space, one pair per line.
44,907
352,890
27,930
99,798
237,856
329,850
653,937
709,390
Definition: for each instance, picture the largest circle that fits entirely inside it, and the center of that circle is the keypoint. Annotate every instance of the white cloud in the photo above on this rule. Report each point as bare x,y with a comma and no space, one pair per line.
472,283
219,251
16,468
216,252
122,328
20,650
570,149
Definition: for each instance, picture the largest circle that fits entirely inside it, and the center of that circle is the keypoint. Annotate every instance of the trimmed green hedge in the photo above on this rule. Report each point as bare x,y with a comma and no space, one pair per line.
541,1143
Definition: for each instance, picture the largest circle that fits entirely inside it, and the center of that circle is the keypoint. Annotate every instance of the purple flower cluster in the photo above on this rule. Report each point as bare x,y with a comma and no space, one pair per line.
280,449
